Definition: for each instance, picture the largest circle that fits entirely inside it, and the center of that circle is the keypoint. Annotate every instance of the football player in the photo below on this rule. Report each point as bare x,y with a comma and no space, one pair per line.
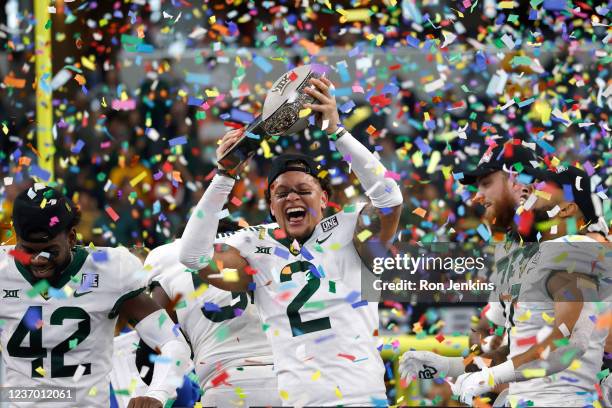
305,269
60,305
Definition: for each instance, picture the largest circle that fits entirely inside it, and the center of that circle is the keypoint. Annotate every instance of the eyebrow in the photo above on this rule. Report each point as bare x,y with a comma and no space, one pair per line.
298,186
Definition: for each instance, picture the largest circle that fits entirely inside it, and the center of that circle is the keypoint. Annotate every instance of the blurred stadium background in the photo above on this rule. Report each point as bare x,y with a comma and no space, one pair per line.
121,103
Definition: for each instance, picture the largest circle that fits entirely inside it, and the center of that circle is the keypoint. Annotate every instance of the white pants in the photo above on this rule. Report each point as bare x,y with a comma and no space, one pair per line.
249,386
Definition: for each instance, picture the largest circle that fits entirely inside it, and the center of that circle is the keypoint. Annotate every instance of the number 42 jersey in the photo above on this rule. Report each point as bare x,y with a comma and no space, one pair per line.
321,331
63,337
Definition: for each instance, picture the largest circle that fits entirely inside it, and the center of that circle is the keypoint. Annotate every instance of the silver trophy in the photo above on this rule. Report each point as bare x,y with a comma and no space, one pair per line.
280,116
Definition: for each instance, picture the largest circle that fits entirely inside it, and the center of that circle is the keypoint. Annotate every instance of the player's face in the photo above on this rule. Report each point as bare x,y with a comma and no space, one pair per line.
48,259
297,202
499,199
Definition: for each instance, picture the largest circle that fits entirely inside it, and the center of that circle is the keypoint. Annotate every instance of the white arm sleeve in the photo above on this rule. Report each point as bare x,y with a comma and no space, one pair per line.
174,361
199,236
382,191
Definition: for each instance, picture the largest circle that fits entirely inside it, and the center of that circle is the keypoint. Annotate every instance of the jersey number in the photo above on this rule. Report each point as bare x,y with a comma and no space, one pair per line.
313,282
225,312
30,326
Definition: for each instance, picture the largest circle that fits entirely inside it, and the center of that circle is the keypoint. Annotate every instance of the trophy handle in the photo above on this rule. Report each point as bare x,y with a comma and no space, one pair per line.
245,147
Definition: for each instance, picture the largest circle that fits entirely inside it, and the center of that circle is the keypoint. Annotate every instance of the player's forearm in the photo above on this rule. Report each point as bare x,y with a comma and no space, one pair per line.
382,191
497,356
199,236
174,361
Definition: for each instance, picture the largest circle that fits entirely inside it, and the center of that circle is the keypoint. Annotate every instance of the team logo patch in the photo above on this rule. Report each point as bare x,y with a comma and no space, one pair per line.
263,250
329,224
427,372
11,293
90,280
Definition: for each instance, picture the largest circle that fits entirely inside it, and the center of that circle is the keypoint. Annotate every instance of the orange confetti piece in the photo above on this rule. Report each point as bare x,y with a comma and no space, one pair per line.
421,212
604,321
14,82
309,46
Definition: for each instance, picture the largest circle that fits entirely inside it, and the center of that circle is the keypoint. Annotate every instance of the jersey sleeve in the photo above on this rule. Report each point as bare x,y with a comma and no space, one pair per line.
132,279
156,263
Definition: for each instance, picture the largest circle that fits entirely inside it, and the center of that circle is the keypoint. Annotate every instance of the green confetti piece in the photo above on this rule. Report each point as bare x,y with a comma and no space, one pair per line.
48,25
568,356
518,166
603,374
315,305
499,331
180,305
513,18
520,60
561,342
40,287
349,208
421,335
122,392
265,327
332,287
270,40
473,116
73,343
570,224
162,319
222,333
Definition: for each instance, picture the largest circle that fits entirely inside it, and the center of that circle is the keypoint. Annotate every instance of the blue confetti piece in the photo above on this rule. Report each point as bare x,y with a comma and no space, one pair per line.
100,256
343,71
241,116
280,252
145,48
359,304
196,78
306,254
555,5
354,52
156,207
156,358
195,101
390,88
39,172
180,140
262,63
253,136
458,176
347,107
251,286
526,102
524,178
352,297
211,307
423,147
483,231
57,293
568,193
76,149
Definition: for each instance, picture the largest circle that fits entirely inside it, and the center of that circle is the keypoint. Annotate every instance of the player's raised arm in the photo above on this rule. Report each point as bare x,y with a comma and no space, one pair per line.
383,211
198,251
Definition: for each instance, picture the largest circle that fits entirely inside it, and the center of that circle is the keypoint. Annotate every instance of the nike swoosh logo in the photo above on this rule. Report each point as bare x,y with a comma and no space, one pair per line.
323,240
82,293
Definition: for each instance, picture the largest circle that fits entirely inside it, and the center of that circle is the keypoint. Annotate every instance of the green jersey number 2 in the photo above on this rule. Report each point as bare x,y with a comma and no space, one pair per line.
313,282
30,325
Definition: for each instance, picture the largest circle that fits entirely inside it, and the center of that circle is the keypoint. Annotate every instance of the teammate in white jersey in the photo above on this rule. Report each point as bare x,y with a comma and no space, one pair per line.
305,270
232,356
60,305
555,335
500,193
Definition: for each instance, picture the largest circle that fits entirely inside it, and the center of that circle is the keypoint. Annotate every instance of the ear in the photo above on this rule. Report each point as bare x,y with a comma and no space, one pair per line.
72,237
324,200
568,209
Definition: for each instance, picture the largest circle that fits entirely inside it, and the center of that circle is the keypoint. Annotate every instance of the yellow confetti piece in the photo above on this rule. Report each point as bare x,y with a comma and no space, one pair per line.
506,5
338,393
266,149
212,93
491,380
43,203
335,246
196,293
41,371
417,158
363,235
596,404
283,394
138,178
542,194
360,14
305,112
198,404
316,375
93,391
548,319
576,364
534,372
230,275
525,316
433,161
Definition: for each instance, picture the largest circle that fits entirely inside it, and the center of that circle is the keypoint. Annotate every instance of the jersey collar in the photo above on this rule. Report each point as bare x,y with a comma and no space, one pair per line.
80,255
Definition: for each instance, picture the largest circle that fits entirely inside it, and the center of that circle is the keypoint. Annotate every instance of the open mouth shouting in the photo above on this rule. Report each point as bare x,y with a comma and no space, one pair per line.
295,215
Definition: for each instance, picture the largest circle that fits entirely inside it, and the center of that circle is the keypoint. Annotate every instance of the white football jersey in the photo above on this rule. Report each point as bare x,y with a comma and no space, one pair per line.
223,327
323,335
529,319
64,337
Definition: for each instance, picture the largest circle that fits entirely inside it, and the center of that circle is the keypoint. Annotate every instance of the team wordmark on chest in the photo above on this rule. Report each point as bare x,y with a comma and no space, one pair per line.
329,224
